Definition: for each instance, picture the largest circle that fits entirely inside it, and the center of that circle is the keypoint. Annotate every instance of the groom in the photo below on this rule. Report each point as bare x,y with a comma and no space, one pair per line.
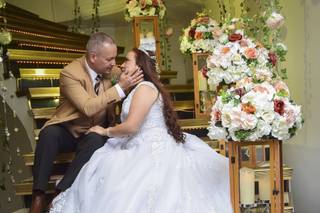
87,99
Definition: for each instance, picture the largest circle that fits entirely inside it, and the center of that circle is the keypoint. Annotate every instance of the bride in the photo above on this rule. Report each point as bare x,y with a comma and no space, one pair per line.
148,165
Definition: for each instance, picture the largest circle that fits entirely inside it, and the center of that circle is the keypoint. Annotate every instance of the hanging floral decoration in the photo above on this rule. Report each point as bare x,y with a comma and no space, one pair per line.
5,35
77,17
95,16
236,56
144,8
2,3
201,36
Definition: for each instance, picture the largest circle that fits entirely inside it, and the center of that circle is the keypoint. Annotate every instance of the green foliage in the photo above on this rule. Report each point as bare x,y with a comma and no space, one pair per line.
243,134
255,27
282,93
165,46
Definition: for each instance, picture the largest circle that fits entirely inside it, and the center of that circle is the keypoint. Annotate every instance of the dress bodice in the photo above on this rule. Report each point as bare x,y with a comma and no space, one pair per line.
154,118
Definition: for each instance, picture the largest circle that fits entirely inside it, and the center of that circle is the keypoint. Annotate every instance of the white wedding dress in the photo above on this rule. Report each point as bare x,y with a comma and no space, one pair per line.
149,173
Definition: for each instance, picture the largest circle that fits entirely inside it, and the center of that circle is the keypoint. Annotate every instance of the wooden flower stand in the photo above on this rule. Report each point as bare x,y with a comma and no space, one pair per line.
143,25
202,102
276,172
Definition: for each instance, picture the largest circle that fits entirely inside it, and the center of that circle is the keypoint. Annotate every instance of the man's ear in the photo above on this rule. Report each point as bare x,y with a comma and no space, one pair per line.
92,57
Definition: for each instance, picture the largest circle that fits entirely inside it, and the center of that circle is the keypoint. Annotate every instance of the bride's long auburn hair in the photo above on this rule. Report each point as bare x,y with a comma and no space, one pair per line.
148,66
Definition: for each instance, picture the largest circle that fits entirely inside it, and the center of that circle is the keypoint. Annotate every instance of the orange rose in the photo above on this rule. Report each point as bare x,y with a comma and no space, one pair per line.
225,50
248,108
198,35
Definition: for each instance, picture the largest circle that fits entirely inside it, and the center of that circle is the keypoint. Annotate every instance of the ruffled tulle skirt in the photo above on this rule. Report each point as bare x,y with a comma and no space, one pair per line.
150,173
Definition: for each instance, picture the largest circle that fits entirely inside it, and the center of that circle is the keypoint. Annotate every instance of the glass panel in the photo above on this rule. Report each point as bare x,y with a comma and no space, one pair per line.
255,185
206,94
147,36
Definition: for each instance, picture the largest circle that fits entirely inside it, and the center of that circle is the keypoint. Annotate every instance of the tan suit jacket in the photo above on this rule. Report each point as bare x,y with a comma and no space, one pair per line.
79,107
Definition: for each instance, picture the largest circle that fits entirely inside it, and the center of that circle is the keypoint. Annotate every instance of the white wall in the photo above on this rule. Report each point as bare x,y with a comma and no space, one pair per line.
302,152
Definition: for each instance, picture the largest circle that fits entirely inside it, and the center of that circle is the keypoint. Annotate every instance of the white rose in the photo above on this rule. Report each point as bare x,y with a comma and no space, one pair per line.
268,116
263,128
152,11
280,129
241,32
132,4
223,39
217,133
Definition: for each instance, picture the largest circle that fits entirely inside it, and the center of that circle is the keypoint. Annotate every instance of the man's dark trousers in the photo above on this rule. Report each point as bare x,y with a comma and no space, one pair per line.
55,139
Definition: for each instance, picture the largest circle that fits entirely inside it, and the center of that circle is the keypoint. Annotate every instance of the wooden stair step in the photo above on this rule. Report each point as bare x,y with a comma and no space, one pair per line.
193,124
48,92
19,18
187,105
47,112
25,186
40,73
36,55
168,74
43,113
186,124
24,56
44,92
182,88
61,158
212,143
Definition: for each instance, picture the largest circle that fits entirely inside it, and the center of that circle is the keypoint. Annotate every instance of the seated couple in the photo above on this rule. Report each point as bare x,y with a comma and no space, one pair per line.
146,164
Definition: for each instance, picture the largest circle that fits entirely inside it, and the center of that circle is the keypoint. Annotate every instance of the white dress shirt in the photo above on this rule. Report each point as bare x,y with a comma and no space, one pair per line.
94,75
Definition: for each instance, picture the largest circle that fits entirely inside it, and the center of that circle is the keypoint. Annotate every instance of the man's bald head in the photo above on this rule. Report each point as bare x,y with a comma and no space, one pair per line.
96,41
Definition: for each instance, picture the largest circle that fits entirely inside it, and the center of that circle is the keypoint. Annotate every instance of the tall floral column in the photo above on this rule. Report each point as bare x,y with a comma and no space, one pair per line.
252,110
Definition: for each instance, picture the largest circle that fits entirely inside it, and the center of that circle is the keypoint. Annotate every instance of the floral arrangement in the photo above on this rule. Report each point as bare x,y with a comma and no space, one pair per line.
252,110
236,56
201,36
144,8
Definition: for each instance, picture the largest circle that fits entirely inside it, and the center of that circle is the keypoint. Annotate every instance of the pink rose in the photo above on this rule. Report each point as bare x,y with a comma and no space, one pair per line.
250,53
275,20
